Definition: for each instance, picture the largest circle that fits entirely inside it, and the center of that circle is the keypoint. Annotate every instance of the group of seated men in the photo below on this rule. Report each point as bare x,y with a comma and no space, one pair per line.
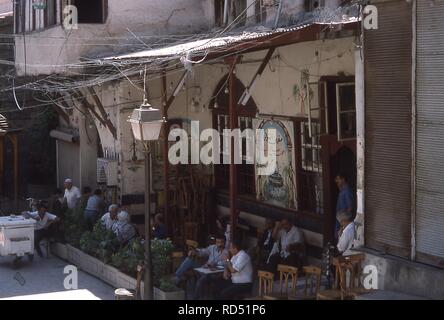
237,277
281,243
115,220
118,221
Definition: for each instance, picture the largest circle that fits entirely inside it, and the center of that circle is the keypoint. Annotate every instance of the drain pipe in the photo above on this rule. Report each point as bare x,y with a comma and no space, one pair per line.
278,15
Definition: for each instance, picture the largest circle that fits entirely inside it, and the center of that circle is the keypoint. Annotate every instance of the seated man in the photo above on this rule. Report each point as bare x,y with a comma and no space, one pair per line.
44,225
265,243
238,275
159,229
109,218
123,229
287,236
216,253
346,233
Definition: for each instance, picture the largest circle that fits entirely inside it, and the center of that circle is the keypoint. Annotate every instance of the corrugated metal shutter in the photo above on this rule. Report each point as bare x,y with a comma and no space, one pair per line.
430,133
68,162
388,66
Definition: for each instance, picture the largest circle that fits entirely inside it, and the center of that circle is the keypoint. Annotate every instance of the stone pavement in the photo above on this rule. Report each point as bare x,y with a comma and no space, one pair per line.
388,295
43,279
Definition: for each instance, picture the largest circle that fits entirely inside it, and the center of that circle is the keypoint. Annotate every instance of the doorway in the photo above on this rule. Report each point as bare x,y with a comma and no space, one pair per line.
338,145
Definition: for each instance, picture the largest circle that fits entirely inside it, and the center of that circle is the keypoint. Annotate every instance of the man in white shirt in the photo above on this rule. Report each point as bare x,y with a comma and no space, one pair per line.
123,229
45,221
346,233
287,247
238,275
109,218
72,194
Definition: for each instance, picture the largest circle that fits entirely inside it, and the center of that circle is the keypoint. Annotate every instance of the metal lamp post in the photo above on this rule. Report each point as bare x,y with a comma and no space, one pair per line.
146,123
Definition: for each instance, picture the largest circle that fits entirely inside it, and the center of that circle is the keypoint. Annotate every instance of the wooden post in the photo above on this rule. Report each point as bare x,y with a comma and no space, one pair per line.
233,148
14,141
165,153
1,163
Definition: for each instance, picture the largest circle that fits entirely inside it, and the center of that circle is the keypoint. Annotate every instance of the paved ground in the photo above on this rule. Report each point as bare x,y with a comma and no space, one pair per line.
43,279
388,295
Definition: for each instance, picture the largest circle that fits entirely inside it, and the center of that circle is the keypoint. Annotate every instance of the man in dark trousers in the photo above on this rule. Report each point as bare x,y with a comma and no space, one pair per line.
44,226
237,279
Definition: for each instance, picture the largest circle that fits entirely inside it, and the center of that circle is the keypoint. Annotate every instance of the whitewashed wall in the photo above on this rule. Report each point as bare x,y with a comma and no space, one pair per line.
46,51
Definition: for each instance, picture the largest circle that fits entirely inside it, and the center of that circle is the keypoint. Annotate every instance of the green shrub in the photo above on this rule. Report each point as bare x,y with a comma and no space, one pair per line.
128,257
104,245
161,251
73,226
167,285
100,243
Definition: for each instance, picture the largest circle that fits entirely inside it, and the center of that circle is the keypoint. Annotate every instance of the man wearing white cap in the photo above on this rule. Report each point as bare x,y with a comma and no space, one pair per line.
72,194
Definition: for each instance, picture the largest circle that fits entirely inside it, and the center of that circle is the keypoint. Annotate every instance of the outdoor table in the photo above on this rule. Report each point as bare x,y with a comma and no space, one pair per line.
204,271
212,272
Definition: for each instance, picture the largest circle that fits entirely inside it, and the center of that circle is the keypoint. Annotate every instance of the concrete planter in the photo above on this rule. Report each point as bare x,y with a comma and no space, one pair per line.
107,273
60,250
95,267
162,295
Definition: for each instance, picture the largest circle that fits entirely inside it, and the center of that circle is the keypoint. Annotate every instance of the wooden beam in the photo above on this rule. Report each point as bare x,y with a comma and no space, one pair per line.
88,106
165,148
2,168
14,141
16,177
279,39
233,122
176,89
247,93
102,110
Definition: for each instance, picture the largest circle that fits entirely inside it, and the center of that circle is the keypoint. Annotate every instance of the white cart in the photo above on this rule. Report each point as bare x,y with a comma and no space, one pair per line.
17,237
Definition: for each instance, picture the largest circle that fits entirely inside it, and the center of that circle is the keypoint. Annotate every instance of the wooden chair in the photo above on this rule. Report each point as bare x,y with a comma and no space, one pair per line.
266,280
356,260
191,244
288,275
312,284
140,272
356,287
343,266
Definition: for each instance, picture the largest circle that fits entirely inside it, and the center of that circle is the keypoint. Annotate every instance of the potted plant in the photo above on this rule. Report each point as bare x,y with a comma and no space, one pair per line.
164,288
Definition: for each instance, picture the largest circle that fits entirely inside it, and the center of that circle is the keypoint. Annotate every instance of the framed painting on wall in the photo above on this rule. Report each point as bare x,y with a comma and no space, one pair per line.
279,188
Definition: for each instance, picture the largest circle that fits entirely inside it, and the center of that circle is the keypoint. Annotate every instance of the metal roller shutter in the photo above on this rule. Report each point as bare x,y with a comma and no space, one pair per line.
388,66
430,133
